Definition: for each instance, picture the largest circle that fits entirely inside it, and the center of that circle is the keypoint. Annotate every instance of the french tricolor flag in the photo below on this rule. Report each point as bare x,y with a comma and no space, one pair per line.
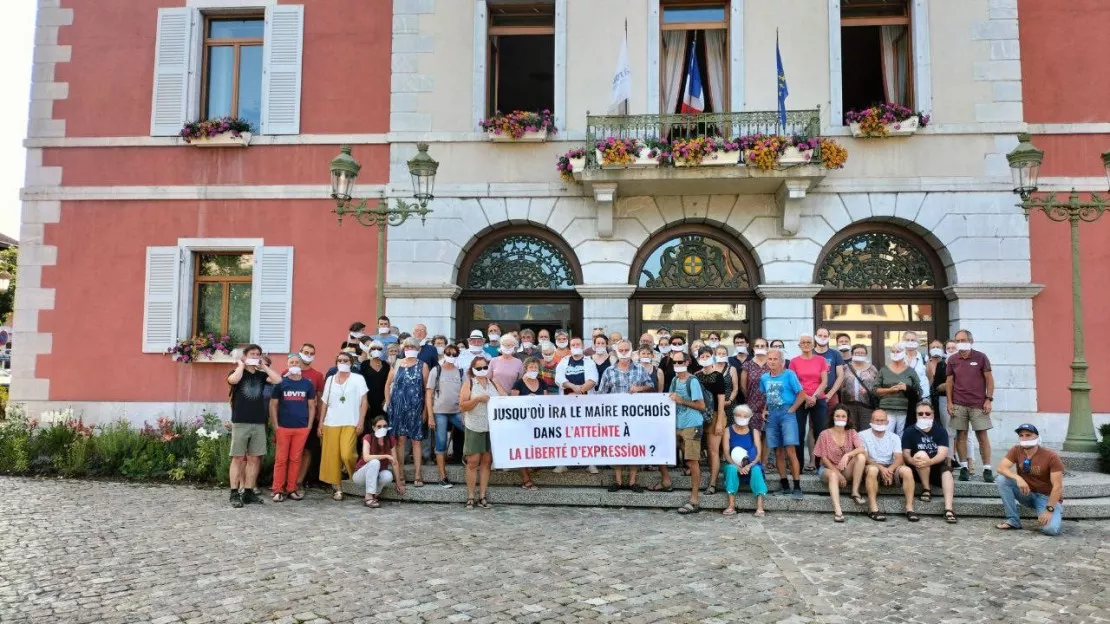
693,101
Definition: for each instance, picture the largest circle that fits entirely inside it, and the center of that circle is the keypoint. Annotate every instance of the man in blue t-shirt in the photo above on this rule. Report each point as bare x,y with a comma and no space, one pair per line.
925,447
783,392
836,365
292,408
686,392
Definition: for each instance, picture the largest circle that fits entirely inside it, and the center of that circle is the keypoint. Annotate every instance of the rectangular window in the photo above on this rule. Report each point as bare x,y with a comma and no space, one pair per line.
222,284
232,81
521,57
876,53
694,39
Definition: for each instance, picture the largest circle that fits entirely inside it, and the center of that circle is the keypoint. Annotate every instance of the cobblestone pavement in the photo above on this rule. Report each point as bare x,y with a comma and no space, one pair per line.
77,552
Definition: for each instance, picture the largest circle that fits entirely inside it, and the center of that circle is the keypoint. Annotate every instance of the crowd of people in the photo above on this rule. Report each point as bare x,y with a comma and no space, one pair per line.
745,412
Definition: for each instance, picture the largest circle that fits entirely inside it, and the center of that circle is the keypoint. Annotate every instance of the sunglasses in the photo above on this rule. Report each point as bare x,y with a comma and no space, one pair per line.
924,413
1026,465
478,368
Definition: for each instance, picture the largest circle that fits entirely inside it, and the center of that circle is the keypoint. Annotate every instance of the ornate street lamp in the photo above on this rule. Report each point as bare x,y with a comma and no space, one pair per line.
344,172
5,281
1025,162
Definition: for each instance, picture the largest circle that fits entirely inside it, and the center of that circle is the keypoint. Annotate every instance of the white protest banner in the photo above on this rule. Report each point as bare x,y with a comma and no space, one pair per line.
582,430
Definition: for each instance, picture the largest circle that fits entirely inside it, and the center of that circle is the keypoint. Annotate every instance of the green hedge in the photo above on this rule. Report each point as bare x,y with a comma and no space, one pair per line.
170,450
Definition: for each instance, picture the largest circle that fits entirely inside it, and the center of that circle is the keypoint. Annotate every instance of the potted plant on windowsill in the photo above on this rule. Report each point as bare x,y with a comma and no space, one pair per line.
885,120
520,126
705,151
201,349
799,150
763,150
225,132
574,160
614,153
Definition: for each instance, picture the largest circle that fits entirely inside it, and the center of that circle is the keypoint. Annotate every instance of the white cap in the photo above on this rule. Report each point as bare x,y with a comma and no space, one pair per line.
477,333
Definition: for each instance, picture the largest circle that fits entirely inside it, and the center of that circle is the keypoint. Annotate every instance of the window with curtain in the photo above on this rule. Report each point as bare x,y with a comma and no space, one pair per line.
233,68
521,57
697,29
876,53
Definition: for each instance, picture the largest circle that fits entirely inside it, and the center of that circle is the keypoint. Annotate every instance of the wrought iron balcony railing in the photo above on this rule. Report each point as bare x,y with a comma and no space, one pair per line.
669,127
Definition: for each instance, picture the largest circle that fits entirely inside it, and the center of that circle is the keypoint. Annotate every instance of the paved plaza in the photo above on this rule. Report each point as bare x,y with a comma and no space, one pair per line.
76,552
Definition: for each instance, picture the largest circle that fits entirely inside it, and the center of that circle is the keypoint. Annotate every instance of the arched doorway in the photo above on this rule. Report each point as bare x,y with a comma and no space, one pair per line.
881,280
519,277
694,280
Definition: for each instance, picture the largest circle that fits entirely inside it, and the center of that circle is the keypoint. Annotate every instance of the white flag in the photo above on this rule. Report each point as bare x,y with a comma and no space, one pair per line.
622,81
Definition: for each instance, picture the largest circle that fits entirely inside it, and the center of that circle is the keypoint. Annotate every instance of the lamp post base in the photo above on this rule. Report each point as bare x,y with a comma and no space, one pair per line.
1081,425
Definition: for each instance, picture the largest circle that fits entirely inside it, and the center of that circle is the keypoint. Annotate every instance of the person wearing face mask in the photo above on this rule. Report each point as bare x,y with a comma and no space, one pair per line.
813,371
374,469
783,395
248,423
493,348
624,377
885,465
530,383
393,352
750,373
898,387
475,346
844,346
916,361
528,347
1031,476
936,369
740,354
653,372
312,445
600,354
858,393
406,408
734,394
715,391
506,369
713,340
748,470
356,331
442,401
969,384
342,419
780,345
375,371
925,450
575,374
562,345
292,409
430,349
543,338
842,457
837,365
386,335
686,392
474,402
547,368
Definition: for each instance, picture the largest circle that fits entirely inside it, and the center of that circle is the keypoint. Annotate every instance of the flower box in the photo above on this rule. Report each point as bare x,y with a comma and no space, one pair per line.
577,165
217,358
529,136
643,159
719,158
223,139
794,156
906,127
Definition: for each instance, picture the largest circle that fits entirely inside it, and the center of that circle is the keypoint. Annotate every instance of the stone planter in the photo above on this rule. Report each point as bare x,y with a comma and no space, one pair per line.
223,139
642,160
730,159
537,136
906,127
795,156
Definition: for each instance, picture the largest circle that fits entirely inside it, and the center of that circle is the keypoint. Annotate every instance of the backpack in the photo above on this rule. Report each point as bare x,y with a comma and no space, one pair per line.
439,375
710,407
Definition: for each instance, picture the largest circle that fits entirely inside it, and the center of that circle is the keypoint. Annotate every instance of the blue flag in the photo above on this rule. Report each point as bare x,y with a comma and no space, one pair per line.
784,91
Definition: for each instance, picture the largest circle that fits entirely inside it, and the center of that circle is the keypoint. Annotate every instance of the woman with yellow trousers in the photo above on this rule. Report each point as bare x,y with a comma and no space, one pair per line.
341,423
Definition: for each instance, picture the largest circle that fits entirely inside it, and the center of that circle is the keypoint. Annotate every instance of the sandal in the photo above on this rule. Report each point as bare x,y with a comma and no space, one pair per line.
912,517
711,490
950,516
337,496
297,495
729,512
483,503
689,508
1006,526
470,503
926,496
278,497
528,485
859,499
758,513
838,517
372,503
418,483
877,516
659,487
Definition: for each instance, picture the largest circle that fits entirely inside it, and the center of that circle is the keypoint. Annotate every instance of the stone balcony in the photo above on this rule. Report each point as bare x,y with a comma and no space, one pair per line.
788,183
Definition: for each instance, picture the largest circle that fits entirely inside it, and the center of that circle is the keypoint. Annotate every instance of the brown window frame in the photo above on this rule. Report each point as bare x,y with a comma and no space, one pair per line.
721,25
225,280
238,44
493,58
891,20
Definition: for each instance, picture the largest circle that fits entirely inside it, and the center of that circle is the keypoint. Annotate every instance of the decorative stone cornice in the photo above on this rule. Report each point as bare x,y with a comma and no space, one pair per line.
605,291
429,291
993,291
788,291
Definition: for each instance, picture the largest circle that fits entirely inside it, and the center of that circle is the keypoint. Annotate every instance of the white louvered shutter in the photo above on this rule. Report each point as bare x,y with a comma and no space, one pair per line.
272,298
173,64
163,283
281,69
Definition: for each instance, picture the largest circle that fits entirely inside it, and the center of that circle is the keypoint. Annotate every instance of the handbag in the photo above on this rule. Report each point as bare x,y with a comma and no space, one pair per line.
872,399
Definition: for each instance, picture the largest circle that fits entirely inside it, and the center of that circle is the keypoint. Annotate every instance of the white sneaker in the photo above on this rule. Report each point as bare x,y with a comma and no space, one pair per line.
591,469
559,469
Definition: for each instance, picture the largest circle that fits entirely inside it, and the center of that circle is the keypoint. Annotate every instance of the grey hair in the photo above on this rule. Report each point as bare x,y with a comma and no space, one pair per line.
965,331
624,342
508,340
412,342
742,410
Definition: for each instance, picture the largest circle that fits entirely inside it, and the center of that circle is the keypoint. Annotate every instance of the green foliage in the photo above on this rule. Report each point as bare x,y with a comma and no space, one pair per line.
8,262
1104,447
115,443
15,435
77,459
3,399
49,447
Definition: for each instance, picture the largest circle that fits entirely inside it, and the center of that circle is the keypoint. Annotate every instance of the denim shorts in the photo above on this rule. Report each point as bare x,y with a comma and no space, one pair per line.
781,430
441,429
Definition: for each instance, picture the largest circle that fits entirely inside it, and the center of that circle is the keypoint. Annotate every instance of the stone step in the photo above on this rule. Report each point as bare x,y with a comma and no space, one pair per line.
893,506
1077,485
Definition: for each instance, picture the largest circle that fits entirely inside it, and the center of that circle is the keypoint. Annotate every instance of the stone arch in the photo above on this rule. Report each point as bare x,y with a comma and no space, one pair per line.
491,234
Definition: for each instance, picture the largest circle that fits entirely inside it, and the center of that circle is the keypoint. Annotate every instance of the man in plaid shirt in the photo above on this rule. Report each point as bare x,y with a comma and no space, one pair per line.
624,377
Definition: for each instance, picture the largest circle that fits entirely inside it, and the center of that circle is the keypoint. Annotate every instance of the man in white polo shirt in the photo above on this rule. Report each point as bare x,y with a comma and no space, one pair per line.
885,465
477,343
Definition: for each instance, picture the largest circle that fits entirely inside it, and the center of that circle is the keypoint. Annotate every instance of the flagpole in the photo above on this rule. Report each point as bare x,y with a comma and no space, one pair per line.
624,105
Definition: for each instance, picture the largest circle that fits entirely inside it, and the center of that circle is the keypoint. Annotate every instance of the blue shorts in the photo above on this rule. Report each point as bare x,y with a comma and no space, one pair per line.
781,430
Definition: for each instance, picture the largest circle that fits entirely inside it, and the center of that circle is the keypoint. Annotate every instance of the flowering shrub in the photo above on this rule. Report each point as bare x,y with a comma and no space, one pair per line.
804,143
873,121
213,127
566,171
516,123
204,345
617,151
833,154
693,151
763,150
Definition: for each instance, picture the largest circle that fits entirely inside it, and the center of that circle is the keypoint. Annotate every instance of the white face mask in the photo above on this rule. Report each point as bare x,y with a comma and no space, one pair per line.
410,353
576,351
449,360
294,370
252,361
508,350
376,353
356,335
494,337
705,363
664,336
740,350
822,341
879,428
665,349
936,352
475,349
678,348
481,373
548,358
714,343
680,368
440,350
645,360
924,424
600,350
897,357
307,359
761,351
627,355
963,346
844,348
562,344
840,423
343,368
364,346
382,330
910,345
532,374
381,433
1029,443
526,345
743,422
862,359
